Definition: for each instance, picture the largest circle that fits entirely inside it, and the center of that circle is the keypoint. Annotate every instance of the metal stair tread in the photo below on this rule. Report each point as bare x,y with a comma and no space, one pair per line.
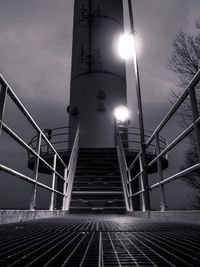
95,168
97,192
99,200
100,176
97,183
98,208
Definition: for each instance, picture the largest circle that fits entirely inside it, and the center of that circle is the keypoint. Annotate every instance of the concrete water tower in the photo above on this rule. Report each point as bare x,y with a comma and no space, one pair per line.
98,80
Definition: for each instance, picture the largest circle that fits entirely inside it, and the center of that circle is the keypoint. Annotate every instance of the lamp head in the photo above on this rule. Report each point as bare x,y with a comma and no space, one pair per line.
121,114
126,46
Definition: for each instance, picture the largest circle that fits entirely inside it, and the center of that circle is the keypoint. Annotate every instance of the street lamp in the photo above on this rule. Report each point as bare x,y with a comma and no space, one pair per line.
127,49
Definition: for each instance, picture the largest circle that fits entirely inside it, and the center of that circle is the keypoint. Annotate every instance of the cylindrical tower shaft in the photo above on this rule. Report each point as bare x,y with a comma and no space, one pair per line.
98,82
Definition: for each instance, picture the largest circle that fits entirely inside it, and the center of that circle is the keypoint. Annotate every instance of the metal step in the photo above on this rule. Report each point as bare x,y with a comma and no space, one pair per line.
96,167
97,183
105,210
92,160
96,178
95,197
99,192
94,171
97,203
92,188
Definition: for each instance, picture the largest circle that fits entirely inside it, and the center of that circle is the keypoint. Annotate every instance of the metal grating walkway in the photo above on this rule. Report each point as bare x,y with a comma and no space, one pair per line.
99,241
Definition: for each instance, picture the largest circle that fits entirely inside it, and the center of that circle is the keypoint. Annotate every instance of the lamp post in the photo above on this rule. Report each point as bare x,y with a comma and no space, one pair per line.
140,114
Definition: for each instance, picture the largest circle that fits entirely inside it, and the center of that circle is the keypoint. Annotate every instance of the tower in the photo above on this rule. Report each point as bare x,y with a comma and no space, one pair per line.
97,178
98,81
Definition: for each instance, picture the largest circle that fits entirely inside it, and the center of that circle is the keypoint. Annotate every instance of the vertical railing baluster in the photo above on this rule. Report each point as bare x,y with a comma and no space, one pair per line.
65,188
130,190
35,173
3,94
53,183
163,206
123,169
71,169
142,186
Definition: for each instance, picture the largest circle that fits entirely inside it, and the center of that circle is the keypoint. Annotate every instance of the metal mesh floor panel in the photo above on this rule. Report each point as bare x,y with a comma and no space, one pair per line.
99,241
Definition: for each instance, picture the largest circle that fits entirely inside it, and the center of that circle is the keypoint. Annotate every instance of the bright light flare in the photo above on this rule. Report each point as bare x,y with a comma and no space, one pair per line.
121,113
126,46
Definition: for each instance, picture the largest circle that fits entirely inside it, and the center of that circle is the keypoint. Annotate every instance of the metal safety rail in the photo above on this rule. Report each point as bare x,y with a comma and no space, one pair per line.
65,176
128,141
124,171
161,152
130,137
62,138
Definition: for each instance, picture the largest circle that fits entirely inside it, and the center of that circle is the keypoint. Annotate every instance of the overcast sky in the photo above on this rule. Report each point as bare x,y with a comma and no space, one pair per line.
35,46
35,53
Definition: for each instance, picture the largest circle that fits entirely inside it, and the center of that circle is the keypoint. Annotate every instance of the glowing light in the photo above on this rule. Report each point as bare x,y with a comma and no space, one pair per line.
121,113
126,46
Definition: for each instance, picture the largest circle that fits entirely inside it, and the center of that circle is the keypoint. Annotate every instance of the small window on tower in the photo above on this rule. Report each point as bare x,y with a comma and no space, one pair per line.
101,107
101,95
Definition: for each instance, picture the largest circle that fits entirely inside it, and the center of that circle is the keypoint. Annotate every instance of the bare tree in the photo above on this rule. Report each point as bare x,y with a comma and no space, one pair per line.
185,62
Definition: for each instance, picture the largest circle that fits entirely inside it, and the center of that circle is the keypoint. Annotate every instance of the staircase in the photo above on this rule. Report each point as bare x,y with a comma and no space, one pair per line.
97,184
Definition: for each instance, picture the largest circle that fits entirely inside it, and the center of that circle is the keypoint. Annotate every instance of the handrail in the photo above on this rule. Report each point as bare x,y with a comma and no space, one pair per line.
176,105
54,139
131,141
26,114
72,169
124,171
64,174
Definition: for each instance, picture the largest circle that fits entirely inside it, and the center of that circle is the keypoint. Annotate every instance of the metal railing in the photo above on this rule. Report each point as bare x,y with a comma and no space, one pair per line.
66,176
155,140
130,137
72,169
128,143
62,138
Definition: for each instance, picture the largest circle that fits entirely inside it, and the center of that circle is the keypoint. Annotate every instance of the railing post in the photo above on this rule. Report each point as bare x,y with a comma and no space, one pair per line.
70,180
163,206
71,169
130,190
124,185
3,93
195,115
53,183
145,179
65,188
35,173
142,186
123,169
